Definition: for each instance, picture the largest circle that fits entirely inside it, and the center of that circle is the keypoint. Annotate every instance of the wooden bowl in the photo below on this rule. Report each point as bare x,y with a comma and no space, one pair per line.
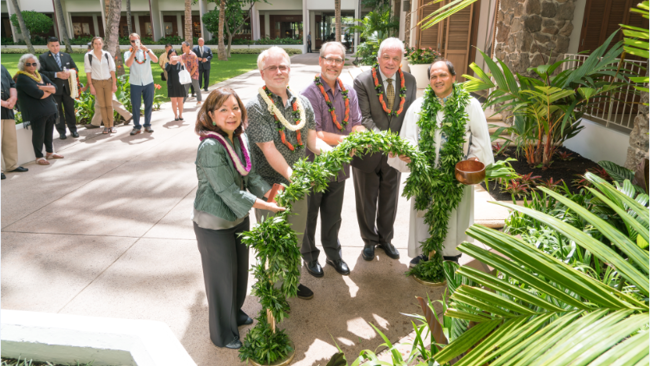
470,172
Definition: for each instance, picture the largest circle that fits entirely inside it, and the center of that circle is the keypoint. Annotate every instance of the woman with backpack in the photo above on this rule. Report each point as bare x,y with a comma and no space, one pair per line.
100,72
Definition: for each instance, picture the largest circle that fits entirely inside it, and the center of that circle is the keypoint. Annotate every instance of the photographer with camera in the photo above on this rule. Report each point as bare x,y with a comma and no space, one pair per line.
138,58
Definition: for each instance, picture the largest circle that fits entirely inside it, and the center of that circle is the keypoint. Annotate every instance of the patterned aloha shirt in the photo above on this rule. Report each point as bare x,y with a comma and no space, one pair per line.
263,128
192,64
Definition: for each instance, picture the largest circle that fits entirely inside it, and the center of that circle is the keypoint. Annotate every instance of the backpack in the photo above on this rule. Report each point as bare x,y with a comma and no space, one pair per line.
90,58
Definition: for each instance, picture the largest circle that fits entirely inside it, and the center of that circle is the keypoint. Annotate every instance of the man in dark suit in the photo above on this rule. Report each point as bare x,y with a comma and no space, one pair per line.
54,65
205,56
376,184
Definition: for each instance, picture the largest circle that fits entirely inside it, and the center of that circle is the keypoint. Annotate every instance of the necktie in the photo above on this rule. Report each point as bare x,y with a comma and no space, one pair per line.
390,93
201,51
58,60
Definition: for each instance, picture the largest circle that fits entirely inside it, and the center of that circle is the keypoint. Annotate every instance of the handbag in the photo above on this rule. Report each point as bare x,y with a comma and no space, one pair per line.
184,76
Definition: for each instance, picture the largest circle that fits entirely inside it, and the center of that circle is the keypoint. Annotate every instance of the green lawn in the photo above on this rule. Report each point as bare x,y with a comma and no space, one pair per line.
221,70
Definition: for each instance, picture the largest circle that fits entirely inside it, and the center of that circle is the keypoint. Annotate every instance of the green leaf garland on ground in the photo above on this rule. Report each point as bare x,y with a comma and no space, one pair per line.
441,192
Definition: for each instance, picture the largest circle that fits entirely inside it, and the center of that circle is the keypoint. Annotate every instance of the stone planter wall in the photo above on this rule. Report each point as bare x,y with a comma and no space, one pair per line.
529,30
638,149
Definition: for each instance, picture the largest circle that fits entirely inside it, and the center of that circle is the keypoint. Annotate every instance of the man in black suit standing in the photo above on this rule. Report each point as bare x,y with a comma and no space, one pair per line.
54,65
385,93
204,54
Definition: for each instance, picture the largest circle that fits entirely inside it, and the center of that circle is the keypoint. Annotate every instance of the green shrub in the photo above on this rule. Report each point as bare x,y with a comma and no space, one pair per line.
21,51
34,21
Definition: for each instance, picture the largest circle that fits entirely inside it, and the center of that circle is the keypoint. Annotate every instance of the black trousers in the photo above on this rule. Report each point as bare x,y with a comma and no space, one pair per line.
42,131
225,271
330,204
204,79
376,195
66,113
309,47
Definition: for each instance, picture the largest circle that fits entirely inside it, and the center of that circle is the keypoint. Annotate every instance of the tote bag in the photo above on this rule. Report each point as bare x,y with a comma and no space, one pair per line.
184,76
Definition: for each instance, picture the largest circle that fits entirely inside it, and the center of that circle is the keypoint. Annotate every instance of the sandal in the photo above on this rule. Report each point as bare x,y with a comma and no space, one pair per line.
42,161
54,156
105,131
113,129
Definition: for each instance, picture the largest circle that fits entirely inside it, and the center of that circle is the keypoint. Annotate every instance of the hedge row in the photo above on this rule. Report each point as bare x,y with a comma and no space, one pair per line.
234,51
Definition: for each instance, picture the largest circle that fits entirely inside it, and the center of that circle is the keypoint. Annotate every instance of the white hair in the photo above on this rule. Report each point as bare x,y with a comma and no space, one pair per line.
24,58
261,59
391,43
327,45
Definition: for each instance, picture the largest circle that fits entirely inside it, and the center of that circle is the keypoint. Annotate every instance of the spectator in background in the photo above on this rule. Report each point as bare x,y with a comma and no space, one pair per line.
8,131
191,62
204,53
37,106
55,66
100,72
163,59
175,90
138,59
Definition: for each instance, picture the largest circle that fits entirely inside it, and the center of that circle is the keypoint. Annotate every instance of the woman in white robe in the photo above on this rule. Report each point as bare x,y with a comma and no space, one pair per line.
477,145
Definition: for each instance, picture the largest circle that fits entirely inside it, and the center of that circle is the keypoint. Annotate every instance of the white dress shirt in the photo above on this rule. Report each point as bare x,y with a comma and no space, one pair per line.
101,68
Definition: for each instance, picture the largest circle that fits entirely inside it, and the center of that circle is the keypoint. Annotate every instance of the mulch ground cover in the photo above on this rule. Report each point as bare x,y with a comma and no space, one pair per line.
565,170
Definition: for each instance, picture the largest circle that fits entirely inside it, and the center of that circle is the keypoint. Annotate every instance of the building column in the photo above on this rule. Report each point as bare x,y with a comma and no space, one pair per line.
305,25
156,20
95,25
202,10
136,24
267,24
357,15
414,21
180,26
14,30
255,23
103,11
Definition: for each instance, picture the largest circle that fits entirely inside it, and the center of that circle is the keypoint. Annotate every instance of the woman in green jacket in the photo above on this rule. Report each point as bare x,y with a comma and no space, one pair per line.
228,189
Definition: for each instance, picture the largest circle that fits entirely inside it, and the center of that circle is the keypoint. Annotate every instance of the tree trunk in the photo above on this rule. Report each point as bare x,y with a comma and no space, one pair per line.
128,16
63,30
222,20
337,15
188,21
113,34
23,27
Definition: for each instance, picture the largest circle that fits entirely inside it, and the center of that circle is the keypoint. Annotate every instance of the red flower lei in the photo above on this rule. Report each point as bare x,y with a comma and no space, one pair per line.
330,106
296,116
380,91
136,59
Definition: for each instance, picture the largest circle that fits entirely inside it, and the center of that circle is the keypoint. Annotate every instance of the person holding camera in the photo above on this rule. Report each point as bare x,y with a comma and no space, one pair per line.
138,59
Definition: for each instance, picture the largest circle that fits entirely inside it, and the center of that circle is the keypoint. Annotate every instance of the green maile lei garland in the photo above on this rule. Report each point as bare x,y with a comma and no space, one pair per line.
441,193
278,254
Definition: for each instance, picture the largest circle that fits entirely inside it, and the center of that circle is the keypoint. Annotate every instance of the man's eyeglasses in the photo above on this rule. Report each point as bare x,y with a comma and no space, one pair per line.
274,68
28,64
332,60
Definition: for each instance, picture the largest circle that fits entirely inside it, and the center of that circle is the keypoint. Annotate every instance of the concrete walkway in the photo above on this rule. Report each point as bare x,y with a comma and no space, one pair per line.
106,232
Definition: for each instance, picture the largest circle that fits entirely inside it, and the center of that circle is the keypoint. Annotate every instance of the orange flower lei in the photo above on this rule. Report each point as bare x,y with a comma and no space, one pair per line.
380,91
340,126
295,114
135,58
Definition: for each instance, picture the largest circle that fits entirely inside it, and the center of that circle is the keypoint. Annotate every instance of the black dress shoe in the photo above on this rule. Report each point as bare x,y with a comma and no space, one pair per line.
243,319
305,293
340,266
63,137
20,169
4,176
314,268
368,252
235,344
452,259
415,261
389,249
75,134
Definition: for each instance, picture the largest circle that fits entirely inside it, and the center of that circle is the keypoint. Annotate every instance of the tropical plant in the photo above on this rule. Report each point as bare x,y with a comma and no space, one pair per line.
22,26
551,184
114,9
84,107
419,56
235,21
129,26
548,109
34,21
188,23
443,12
636,42
530,179
565,155
543,311
515,187
374,27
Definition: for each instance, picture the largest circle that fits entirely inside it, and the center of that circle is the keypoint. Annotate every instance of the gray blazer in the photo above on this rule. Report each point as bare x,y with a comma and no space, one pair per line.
373,115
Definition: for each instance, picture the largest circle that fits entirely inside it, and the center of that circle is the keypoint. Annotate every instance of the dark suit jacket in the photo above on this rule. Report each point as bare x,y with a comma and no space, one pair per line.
373,115
49,67
207,53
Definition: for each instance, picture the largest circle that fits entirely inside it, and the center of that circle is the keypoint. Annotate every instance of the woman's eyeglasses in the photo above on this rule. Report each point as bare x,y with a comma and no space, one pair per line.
28,64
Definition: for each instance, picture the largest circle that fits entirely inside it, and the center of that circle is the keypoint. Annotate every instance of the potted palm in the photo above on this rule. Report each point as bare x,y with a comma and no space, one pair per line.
419,60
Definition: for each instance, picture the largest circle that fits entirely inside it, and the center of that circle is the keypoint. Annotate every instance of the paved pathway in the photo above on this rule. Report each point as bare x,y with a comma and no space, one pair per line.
106,232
